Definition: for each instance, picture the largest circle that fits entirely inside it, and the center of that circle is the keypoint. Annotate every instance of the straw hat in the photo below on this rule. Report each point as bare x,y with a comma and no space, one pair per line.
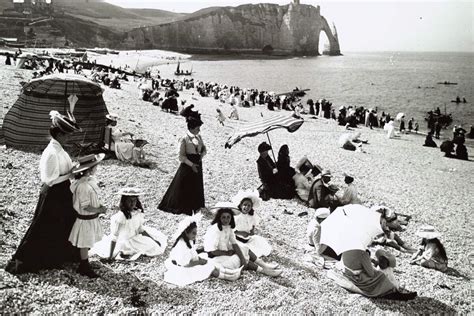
67,124
87,162
251,195
428,232
195,218
228,205
387,255
322,212
130,191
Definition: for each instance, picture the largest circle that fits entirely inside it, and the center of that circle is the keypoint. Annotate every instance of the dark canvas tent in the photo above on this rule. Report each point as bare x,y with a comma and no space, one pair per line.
27,123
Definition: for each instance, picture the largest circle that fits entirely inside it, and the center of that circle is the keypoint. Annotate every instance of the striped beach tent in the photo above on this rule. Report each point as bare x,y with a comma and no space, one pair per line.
27,122
290,123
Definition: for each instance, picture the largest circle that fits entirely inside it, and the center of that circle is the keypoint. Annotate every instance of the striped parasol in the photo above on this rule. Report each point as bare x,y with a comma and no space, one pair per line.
290,123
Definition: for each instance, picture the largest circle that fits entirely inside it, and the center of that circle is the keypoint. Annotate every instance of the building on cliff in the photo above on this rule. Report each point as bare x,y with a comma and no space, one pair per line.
292,29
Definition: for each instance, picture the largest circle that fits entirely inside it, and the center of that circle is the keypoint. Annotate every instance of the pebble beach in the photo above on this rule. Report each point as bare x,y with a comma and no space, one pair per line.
400,173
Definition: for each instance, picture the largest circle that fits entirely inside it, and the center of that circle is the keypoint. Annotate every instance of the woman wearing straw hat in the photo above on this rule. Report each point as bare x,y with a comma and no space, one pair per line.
431,253
129,237
45,244
85,194
185,194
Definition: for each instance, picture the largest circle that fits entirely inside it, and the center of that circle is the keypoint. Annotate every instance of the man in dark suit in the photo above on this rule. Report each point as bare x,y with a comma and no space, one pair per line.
267,172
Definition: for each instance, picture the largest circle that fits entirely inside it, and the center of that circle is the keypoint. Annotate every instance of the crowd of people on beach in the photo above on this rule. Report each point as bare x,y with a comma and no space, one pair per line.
66,226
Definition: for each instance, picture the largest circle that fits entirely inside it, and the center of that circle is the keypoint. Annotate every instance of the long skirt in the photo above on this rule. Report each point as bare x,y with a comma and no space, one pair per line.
376,286
45,244
186,192
182,276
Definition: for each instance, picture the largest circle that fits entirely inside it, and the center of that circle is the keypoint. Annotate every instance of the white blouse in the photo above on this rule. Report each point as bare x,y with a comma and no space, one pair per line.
55,164
216,239
85,192
122,228
191,144
245,222
183,255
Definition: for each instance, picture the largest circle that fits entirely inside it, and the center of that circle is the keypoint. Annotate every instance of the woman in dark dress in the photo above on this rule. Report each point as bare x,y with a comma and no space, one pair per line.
285,173
185,194
45,244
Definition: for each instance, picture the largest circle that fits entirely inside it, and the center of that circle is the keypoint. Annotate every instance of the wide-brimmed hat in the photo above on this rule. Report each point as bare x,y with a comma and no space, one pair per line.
428,232
326,173
229,205
67,124
130,191
387,255
195,218
264,147
304,165
87,162
322,212
254,196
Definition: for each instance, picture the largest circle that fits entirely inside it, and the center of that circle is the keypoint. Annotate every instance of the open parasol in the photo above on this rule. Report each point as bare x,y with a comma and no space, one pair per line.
350,227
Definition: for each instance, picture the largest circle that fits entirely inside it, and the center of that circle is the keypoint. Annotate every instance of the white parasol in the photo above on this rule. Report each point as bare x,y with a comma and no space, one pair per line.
350,227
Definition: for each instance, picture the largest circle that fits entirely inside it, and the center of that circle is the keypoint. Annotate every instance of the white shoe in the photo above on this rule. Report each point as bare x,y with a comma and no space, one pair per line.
272,272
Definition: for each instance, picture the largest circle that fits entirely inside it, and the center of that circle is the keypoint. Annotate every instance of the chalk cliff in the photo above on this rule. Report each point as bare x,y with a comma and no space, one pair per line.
291,29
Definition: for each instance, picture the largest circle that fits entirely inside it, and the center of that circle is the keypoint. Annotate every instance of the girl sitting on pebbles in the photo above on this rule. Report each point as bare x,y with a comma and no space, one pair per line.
246,223
222,247
184,266
87,230
129,238
431,253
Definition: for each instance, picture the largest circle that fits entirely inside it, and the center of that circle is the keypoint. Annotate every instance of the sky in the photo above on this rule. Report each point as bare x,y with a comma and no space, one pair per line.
371,25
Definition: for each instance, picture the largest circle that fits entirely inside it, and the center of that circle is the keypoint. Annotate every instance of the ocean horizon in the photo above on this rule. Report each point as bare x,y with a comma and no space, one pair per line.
391,81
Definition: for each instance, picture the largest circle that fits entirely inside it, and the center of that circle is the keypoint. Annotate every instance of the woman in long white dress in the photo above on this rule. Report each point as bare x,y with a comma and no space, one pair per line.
222,247
129,237
247,221
184,266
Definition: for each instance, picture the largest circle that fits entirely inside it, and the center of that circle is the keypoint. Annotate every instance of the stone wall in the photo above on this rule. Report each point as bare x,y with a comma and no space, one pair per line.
262,28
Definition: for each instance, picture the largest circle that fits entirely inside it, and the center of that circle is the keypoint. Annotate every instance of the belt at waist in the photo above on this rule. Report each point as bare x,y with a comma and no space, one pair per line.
87,217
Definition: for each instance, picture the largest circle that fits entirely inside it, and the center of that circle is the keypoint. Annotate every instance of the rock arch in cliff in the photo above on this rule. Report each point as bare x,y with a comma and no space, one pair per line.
334,48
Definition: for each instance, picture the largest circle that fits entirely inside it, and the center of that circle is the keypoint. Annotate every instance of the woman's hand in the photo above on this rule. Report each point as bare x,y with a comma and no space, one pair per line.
195,168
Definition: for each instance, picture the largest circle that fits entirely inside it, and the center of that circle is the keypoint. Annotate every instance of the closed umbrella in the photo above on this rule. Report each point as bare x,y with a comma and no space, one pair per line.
350,227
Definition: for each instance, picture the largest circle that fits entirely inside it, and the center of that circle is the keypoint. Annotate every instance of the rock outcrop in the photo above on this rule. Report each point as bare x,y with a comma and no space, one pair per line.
292,29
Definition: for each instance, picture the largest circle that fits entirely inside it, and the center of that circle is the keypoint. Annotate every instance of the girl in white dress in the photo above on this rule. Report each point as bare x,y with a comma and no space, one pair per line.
184,266
129,237
222,247
86,230
246,223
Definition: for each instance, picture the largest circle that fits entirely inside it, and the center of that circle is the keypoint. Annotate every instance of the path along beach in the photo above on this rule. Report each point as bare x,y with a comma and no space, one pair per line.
401,173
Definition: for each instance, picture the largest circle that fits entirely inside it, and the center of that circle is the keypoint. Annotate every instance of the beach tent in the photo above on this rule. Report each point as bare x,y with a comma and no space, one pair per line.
27,122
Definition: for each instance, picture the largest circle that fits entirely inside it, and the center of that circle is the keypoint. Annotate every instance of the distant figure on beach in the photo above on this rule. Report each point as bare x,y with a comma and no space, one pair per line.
410,124
45,244
349,196
429,142
417,126
220,117
8,60
234,114
390,129
431,253
185,194
461,151
437,128
448,148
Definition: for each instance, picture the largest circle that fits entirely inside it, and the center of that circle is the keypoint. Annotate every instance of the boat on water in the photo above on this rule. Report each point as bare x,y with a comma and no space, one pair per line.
15,45
448,83
180,72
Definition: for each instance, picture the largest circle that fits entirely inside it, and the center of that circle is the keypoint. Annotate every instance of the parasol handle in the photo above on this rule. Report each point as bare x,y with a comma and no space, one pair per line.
270,143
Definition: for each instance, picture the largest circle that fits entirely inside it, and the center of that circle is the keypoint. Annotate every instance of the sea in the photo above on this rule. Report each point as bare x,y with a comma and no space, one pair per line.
393,82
